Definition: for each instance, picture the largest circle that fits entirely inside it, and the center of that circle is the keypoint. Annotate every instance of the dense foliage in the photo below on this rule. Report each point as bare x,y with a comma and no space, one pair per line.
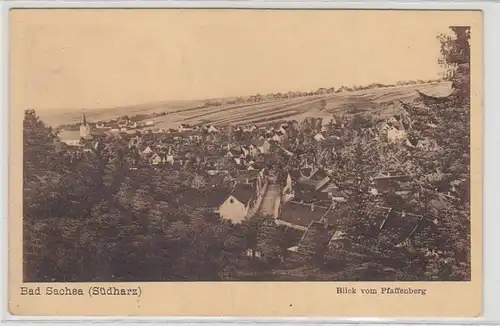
88,216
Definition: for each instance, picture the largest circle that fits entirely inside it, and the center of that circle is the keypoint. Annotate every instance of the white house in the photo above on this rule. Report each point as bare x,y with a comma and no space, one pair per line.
319,137
122,124
169,158
184,127
253,150
238,203
394,134
277,138
263,146
149,123
156,159
70,137
244,151
147,150
195,137
212,129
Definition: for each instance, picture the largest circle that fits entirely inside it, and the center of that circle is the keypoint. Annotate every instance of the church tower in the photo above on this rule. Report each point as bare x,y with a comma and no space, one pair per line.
84,127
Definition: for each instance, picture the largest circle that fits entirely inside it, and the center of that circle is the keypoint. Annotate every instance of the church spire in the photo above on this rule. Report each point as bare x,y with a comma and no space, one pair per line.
84,119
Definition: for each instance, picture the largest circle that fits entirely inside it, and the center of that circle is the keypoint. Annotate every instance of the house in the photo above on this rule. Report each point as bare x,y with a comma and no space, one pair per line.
147,151
194,137
300,215
156,159
308,190
134,141
333,192
398,226
396,128
291,179
318,174
369,133
212,129
74,137
184,127
313,187
149,123
263,145
316,239
244,151
319,137
70,137
278,137
388,183
122,124
253,150
214,181
114,128
252,177
394,134
238,203
210,199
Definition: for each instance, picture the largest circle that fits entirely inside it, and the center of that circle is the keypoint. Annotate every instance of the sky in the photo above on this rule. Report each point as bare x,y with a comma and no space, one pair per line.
63,59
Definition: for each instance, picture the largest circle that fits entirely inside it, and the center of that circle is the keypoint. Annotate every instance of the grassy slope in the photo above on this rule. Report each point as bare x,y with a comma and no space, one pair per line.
261,113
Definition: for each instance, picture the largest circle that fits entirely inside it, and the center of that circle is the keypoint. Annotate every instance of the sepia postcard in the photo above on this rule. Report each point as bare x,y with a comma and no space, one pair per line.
245,162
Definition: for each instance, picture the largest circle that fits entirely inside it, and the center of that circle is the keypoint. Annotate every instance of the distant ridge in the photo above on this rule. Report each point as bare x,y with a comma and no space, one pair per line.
261,111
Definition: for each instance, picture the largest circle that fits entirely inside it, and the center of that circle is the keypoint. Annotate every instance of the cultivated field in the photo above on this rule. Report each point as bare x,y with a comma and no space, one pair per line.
259,113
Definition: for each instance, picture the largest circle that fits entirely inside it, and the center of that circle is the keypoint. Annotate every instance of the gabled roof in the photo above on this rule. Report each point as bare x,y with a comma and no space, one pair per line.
66,135
244,174
244,193
401,225
258,142
318,174
398,225
295,175
329,187
203,198
99,131
306,172
387,183
310,184
316,232
301,214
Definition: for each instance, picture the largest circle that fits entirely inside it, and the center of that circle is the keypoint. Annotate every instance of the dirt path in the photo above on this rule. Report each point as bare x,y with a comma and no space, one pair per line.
269,201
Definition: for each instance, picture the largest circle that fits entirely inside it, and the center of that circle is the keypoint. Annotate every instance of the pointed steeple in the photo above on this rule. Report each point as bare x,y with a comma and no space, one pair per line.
84,119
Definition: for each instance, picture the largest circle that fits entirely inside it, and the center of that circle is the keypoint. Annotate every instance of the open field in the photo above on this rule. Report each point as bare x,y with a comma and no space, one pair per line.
259,113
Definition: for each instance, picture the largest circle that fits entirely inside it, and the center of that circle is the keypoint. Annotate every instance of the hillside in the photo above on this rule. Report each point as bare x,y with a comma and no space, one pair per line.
258,113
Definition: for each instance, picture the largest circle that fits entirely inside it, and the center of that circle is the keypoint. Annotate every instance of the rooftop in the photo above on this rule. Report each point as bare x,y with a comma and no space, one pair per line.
311,184
66,135
203,198
301,214
244,192
396,224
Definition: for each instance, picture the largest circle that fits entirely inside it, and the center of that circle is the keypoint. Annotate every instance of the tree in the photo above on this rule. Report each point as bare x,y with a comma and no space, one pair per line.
455,58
